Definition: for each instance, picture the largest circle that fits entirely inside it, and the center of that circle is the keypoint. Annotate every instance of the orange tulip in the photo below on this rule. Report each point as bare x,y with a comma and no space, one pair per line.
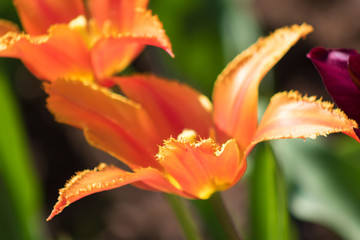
64,39
173,138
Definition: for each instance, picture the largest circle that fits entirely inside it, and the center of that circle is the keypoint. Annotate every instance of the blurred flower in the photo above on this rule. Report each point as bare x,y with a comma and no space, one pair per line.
340,72
203,146
67,39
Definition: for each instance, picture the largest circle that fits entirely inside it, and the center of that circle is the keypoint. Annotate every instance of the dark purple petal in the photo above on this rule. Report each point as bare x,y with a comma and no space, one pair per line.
333,67
354,69
357,131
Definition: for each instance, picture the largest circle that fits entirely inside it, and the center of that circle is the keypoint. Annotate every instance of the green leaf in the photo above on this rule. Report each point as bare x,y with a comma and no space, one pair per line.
324,179
239,27
268,200
194,31
20,193
7,11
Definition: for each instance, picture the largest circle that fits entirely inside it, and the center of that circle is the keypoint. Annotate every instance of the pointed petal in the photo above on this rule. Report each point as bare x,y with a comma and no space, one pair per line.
147,30
173,106
38,15
202,168
60,54
100,179
6,26
236,89
289,115
149,27
120,12
354,133
109,121
333,66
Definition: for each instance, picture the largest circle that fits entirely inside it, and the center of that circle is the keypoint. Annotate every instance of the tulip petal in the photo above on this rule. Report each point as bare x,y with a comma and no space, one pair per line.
147,30
119,12
354,69
60,54
354,133
100,179
110,122
289,115
202,168
336,66
7,26
149,27
38,15
172,105
236,89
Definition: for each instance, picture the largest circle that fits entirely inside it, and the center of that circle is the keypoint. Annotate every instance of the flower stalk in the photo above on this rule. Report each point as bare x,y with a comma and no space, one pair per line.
224,217
184,217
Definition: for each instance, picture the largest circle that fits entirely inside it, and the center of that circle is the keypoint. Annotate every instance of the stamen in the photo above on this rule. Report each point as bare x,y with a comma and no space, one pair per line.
189,135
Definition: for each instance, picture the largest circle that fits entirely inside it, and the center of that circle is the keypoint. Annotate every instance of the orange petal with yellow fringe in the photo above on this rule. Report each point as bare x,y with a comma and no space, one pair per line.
102,178
60,54
202,168
110,122
290,115
235,95
127,44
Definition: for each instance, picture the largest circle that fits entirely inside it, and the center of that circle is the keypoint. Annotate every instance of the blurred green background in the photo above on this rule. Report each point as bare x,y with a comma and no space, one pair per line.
292,190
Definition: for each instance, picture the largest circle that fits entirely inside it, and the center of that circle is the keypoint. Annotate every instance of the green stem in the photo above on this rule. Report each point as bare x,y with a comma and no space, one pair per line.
224,217
184,217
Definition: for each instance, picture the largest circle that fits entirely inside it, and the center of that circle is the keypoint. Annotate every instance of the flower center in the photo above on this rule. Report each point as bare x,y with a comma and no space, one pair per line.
189,135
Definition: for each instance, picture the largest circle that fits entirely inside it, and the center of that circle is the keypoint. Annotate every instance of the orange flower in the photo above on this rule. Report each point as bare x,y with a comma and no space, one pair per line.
203,146
66,40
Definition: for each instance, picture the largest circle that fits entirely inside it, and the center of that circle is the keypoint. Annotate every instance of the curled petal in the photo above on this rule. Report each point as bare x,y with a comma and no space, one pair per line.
202,168
6,26
147,30
110,122
38,15
290,115
100,179
149,27
172,105
60,54
333,66
236,89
